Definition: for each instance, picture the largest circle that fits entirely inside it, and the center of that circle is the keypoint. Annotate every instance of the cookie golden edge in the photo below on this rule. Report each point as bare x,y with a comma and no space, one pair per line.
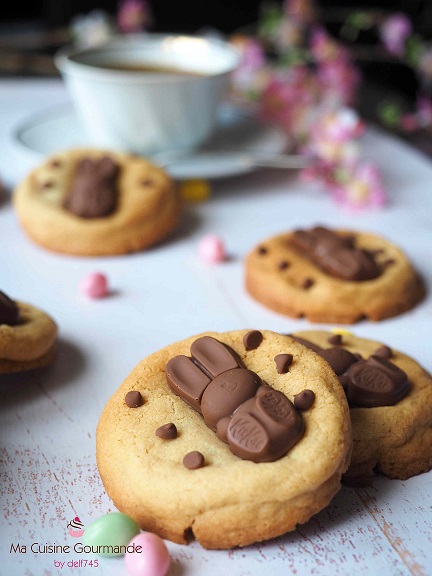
220,517
330,300
395,441
129,229
29,344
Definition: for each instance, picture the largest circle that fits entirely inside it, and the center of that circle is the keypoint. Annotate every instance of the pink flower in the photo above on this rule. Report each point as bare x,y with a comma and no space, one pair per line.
289,100
133,16
339,80
333,136
394,31
358,188
324,47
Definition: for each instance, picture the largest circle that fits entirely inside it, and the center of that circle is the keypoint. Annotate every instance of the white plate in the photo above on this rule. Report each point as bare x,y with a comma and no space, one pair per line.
227,153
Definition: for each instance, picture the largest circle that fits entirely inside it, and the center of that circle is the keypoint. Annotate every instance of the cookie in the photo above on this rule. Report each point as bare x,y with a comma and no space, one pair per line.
332,276
93,203
390,398
27,336
231,438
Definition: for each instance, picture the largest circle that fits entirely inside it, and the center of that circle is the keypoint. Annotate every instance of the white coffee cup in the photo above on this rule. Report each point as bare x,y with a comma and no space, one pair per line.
149,112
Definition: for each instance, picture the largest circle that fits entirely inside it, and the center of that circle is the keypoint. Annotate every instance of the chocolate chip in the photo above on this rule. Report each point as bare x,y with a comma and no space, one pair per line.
283,265
304,400
283,362
146,182
193,460
384,352
336,339
134,399
167,431
307,283
252,339
262,250
9,311
55,163
47,184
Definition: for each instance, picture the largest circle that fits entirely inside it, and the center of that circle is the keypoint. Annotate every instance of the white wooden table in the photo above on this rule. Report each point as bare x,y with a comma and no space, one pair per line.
48,419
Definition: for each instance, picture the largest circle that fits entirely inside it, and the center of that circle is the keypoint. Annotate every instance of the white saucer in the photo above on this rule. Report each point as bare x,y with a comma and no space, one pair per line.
237,135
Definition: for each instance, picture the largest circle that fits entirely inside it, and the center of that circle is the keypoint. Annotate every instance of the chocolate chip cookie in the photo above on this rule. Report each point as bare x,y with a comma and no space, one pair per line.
332,276
390,399
27,336
93,203
231,438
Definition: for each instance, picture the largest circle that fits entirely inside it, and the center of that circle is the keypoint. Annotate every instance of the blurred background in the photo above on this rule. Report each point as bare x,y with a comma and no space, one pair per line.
396,87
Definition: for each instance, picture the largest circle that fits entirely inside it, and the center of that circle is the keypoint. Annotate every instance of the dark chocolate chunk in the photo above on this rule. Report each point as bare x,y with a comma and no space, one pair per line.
167,431
134,399
262,250
283,362
226,392
384,352
304,400
186,380
335,339
252,339
335,254
283,265
213,356
93,193
9,311
193,460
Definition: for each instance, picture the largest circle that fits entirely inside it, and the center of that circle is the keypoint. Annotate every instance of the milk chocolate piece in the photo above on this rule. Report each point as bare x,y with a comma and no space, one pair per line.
134,399
213,356
226,392
193,460
258,422
186,380
252,339
339,359
376,382
9,311
93,193
336,255
167,431
283,362
367,383
265,427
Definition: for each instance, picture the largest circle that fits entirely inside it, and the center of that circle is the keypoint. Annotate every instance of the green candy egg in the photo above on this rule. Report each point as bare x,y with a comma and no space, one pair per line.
110,534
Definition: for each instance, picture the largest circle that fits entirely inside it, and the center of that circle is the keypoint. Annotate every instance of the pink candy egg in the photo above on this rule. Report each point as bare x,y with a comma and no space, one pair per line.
212,249
95,285
153,559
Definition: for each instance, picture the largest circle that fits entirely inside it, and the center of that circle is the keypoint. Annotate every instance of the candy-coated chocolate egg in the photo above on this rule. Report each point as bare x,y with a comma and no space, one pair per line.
152,559
195,190
108,534
95,285
212,249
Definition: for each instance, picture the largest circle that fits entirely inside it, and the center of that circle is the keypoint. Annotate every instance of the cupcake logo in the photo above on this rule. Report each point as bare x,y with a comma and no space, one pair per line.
76,527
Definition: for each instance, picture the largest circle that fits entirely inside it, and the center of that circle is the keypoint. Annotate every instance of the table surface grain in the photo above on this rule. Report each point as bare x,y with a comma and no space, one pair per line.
48,418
